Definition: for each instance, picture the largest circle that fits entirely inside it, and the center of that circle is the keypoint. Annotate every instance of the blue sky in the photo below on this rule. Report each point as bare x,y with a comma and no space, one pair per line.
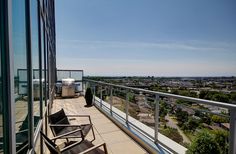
147,37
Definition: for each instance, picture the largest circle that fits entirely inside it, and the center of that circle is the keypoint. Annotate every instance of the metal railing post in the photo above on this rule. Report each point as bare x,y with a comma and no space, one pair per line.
101,98
111,99
232,132
157,100
127,106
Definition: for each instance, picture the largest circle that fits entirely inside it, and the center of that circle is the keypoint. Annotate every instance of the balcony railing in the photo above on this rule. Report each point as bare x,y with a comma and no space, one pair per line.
154,99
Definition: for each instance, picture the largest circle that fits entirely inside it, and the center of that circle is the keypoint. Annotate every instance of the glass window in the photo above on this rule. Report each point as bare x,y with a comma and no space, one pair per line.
1,120
46,66
43,58
41,3
35,60
20,73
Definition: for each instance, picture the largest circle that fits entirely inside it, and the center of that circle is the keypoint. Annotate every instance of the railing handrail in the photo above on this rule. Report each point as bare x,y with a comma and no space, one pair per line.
186,98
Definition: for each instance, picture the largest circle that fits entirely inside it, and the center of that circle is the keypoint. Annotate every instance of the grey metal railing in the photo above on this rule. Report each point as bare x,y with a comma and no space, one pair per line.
230,107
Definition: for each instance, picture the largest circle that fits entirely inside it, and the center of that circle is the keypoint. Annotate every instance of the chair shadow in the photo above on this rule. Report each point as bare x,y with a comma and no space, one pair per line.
87,106
84,145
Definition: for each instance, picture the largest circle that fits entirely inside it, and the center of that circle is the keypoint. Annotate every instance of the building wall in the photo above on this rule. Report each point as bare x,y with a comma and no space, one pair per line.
27,72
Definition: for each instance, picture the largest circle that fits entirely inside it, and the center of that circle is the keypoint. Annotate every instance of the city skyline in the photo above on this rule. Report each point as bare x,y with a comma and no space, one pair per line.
136,38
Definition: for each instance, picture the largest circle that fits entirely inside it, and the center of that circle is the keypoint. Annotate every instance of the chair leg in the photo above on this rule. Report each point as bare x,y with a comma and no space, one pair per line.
93,134
82,135
105,148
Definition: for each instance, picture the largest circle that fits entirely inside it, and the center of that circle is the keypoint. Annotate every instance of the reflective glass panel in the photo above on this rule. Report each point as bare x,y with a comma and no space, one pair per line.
1,120
20,73
35,61
43,58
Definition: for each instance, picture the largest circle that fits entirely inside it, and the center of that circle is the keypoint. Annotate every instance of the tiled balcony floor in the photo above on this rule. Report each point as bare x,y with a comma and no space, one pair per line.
105,131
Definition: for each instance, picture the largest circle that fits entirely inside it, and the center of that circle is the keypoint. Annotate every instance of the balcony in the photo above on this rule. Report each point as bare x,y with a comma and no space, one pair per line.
105,130
134,116
128,130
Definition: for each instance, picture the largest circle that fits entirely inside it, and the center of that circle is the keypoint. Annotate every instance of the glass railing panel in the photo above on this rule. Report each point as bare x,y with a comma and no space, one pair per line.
62,75
184,122
77,75
142,108
118,99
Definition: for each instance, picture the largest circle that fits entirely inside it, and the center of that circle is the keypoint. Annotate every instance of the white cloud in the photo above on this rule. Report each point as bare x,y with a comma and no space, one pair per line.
143,67
192,58
177,46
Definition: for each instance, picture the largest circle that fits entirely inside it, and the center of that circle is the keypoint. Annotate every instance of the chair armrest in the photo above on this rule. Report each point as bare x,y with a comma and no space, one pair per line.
95,147
71,132
22,131
63,125
88,116
74,115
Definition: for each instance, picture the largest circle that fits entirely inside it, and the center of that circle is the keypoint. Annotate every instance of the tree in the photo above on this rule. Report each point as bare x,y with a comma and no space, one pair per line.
206,119
131,97
221,137
187,103
199,114
182,116
191,125
173,134
163,109
175,91
204,143
193,94
215,96
221,97
210,95
233,96
203,94
219,119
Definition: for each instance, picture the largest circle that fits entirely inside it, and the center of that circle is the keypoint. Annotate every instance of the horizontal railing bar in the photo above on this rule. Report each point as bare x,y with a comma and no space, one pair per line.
191,99
70,70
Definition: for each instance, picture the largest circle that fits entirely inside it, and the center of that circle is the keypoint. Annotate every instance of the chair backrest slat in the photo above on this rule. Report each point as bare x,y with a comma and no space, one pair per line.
58,118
